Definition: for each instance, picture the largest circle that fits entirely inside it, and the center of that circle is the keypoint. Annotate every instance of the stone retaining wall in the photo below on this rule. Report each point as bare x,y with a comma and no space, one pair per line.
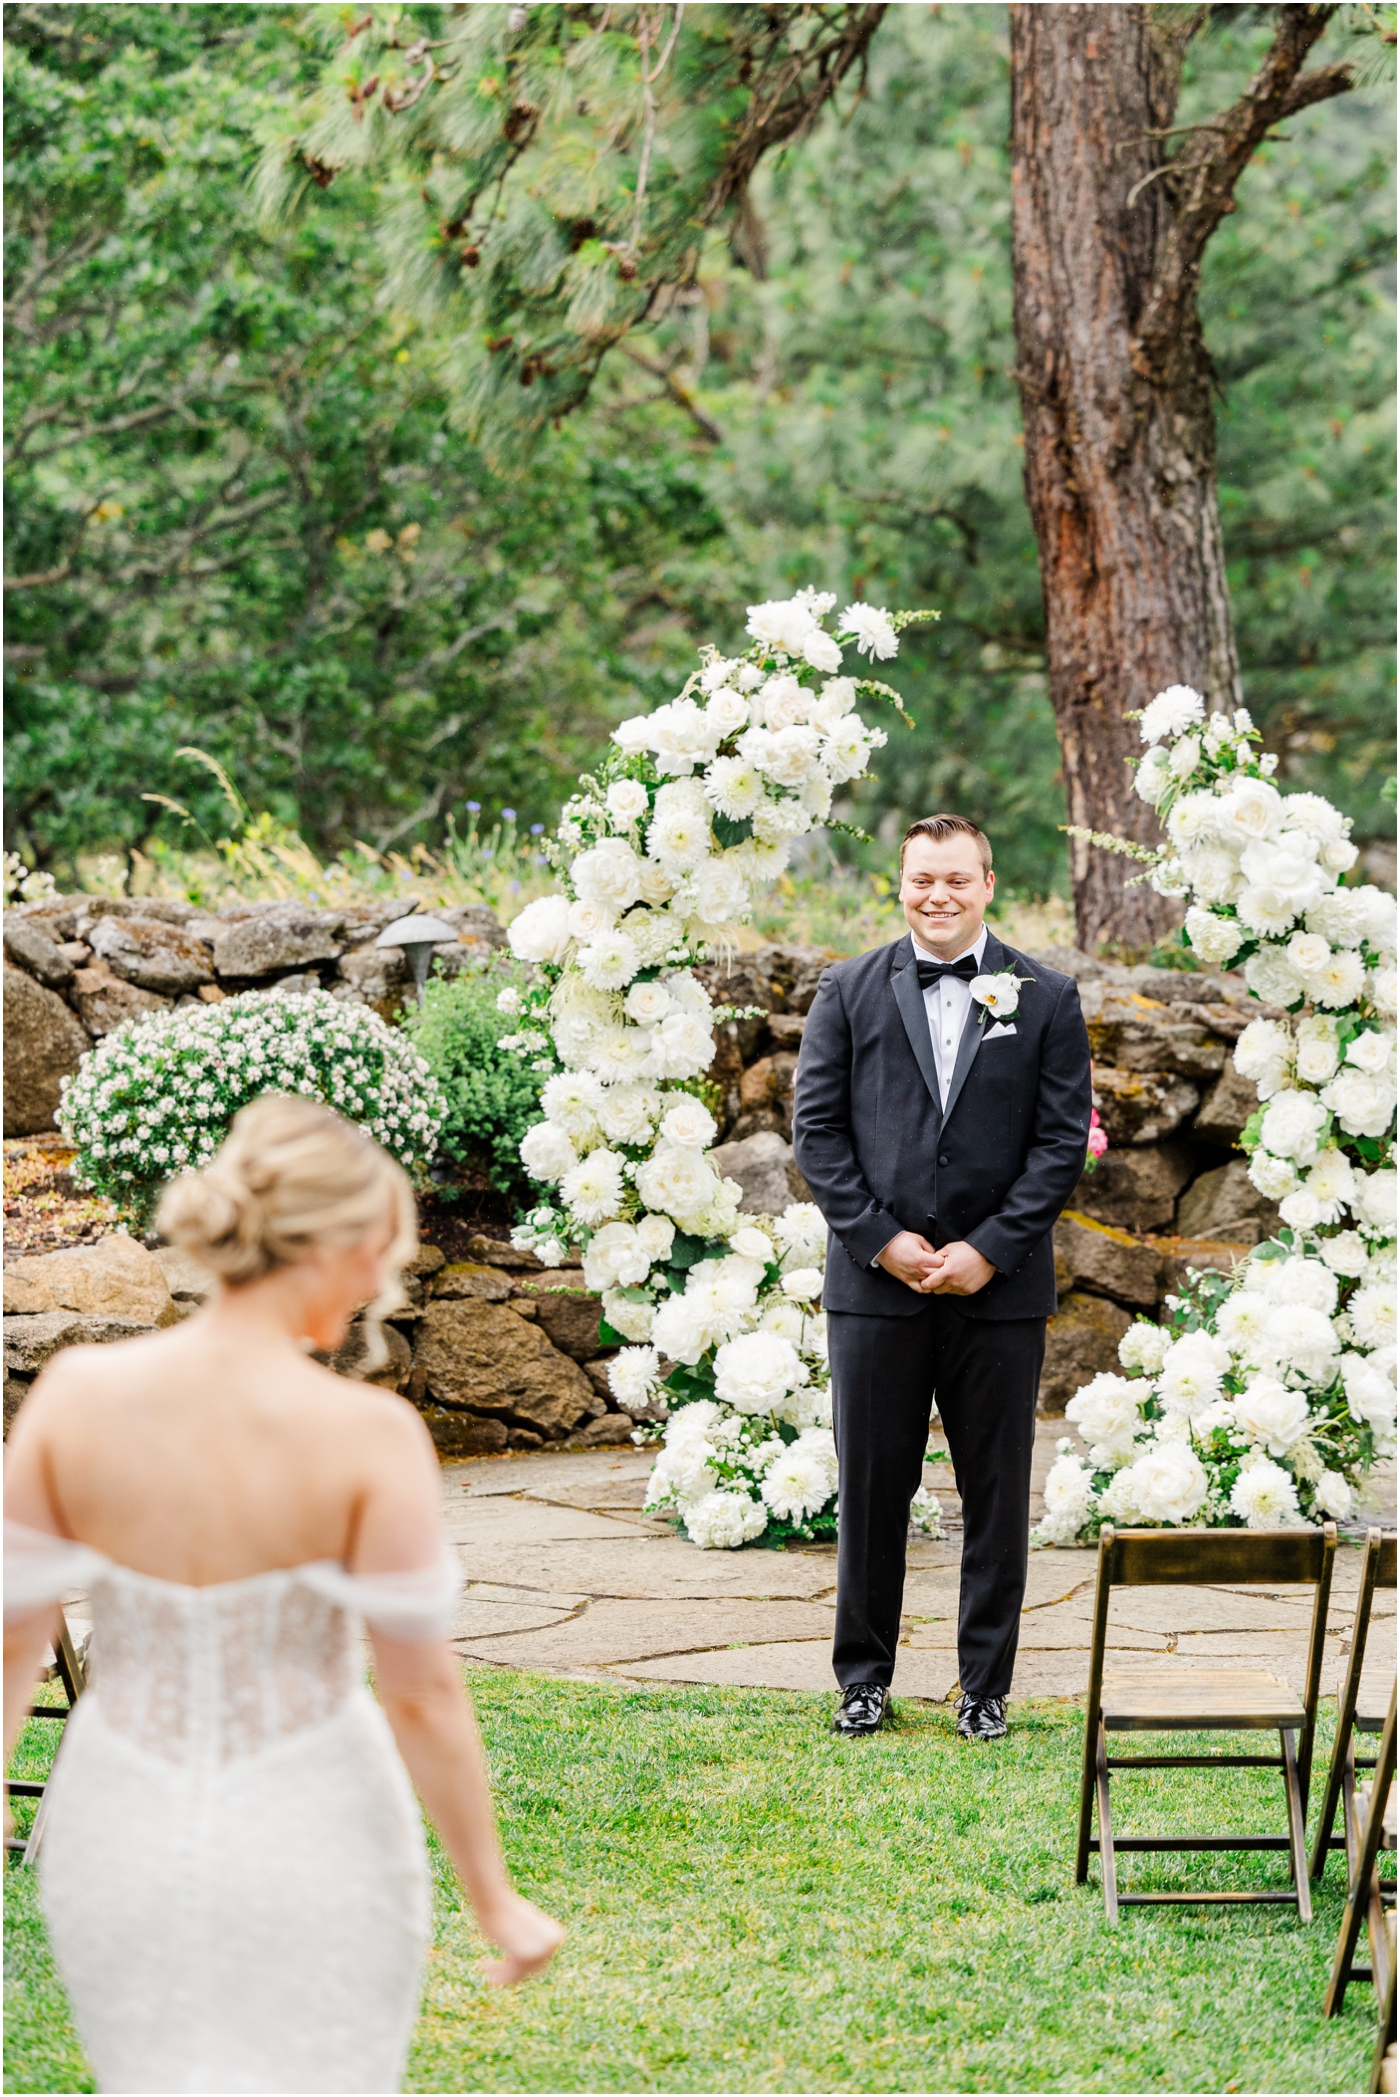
494,1351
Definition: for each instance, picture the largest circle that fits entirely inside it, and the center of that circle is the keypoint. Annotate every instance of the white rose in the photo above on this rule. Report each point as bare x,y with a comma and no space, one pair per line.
627,1113
1381,987
609,875
1309,951
634,736
1273,1177
1364,1105
656,884
1169,1482
1371,1051
1265,1497
1267,910
752,1244
1143,1346
755,1372
677,1181
783,701
546,1152
1171,713
656,1234
1375,1203
1301,1210
681,1329
614,1256
784,625
647,1004
1273,978
627,799
1152,777
1292,1125
728,712
1345,1253
821,651
541,932
682,735
1272,1414
1249,808
1191,1373
803,1284
1106,1414
1333,1496
587,920
1370,1392
1215,939
690,1125
1316,1052
721,892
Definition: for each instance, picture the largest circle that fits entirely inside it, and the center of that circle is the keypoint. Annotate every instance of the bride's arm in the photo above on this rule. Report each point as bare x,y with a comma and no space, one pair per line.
425,1701
27,1638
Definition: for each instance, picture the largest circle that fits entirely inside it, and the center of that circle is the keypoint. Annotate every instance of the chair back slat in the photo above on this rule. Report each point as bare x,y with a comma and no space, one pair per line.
1385,1570
1193,1557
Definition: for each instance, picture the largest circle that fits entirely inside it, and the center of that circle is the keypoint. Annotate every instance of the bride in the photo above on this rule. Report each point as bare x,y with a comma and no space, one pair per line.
233,1867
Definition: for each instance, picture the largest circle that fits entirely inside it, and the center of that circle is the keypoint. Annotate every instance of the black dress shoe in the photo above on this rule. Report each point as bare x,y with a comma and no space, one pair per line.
863,1707
981,1718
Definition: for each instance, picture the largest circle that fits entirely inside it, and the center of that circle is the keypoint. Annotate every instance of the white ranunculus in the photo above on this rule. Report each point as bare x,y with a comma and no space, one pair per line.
722,1521
733,787
1169,1482
1263,1049
631,1316
781,624
594,1188
1215,939
1105,1411
1292,1125
1171,713
1372,1051
546,1152
1345,1253
1153,776
803,1284
1375,1203
689,1124
627,799
1249,808
1370,1392
609,961
821,651
721,893
1332,1496
1143,1346
541,932
675,1181
632,1377
1265,1497
614,1258
610,875
1273,978
682,1046
755,1372
1273,1177
1271,1413
1363,1104
1372,1315
872,629
1339,982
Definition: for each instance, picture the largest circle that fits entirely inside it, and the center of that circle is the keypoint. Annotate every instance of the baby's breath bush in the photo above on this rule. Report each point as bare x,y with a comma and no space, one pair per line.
156,1099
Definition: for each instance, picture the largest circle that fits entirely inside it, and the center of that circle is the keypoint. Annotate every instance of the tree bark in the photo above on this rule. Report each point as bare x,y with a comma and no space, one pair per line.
1116,391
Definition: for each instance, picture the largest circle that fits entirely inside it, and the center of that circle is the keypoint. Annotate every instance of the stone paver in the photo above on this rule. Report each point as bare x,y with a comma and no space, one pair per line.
567,1575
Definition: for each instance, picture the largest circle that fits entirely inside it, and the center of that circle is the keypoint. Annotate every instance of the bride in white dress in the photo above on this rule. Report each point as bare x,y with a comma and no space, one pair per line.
233,1867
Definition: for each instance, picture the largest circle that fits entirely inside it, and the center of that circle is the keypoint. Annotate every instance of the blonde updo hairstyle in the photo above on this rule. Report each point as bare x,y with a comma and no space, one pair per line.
291,1176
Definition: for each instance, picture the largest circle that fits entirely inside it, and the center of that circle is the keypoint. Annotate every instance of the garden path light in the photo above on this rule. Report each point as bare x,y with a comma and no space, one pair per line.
416,936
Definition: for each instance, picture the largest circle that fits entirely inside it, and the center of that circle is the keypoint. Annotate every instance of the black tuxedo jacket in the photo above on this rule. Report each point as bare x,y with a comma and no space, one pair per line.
880,1155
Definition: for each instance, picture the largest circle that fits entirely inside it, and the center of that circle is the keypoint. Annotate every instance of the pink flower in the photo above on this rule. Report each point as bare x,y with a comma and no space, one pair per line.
1098,1137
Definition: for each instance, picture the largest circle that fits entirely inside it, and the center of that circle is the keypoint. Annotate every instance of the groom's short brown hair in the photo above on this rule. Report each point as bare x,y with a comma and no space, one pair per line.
940,828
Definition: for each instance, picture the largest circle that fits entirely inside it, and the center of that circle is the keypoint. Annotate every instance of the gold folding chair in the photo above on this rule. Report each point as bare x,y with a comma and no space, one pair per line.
1198,1700
1370,1828
68,1669
1361,1706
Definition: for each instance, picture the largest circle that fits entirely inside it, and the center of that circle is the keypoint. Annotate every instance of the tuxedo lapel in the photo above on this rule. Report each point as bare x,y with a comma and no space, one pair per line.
993,958
904,981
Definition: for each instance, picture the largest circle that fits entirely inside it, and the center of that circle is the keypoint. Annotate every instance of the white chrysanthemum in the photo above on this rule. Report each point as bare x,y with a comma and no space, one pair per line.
614,1258
846,748
1153,776
1191,1373
872,628
1322,822
800,1233
733,787
755,1372
678,1182
1372,1315
1332,1183
1171,713
1192,821
594,1188
720,892
798,1483
571,1099
546,1152
1271,1413
1273,1177
1363,1104
541,932
1339,982
609,875
722,1521
1143,1346
779,817
1370,1393
1215,939
626,799
1273,978
1249,808
689,1124
632,1377
1292,1125
1168,1482
610,961
1264,1496
632,1316
1293,1281
783,624
1242,1322
1068,1497
679,840
1105,1411
1332,1496
788,1319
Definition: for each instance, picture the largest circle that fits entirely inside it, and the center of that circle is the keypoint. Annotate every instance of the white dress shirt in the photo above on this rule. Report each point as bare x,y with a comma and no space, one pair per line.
948,1003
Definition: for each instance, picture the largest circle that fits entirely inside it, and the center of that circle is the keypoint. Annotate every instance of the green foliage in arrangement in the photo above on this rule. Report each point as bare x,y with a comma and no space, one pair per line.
252,514
491,1096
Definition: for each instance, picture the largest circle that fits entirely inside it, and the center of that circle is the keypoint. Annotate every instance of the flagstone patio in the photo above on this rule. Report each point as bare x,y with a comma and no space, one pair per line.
565,1574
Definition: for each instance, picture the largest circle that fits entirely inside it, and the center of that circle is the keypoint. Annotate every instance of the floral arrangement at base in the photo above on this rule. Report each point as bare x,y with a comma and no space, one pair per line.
155,1098
695,809
1271,1395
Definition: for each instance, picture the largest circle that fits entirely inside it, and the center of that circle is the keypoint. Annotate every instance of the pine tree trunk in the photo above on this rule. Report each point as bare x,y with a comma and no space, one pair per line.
1119,423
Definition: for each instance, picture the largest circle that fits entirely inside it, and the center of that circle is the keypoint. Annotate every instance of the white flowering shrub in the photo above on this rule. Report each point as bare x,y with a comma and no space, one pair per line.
1271,1395
155,1099
695,809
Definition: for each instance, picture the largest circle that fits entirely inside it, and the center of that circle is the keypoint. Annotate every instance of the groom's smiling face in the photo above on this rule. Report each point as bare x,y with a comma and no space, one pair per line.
944,893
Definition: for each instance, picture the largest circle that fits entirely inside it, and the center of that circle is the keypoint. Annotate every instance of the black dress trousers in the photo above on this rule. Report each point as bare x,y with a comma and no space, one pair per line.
886,1373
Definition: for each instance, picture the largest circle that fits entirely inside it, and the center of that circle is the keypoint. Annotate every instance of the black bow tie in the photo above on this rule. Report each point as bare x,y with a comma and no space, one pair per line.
934,971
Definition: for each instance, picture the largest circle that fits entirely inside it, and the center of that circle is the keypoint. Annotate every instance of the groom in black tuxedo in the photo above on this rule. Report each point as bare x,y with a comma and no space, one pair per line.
941,1124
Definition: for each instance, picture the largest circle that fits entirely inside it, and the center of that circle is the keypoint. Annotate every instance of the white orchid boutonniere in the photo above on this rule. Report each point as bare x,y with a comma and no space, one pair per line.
1000,994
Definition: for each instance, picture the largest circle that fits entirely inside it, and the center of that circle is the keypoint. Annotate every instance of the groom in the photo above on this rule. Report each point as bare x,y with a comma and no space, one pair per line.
941,1123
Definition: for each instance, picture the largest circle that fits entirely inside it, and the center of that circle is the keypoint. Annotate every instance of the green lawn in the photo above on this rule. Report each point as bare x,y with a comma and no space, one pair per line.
754,1905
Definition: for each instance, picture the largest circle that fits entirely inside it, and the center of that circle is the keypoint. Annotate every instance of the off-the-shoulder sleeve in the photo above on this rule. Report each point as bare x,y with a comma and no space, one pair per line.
412,1605
41,1569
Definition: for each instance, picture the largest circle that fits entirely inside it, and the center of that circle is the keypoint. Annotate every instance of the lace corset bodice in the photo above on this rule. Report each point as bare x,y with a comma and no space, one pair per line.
212,1674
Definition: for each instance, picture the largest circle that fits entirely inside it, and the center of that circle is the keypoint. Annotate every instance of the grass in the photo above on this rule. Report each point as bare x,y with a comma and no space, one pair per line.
754,1905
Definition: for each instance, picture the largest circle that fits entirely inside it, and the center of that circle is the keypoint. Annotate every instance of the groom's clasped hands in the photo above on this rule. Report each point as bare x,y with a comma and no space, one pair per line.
958,1269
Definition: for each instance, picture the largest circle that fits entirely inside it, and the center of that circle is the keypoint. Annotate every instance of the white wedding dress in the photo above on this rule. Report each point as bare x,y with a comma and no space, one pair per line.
233,1865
